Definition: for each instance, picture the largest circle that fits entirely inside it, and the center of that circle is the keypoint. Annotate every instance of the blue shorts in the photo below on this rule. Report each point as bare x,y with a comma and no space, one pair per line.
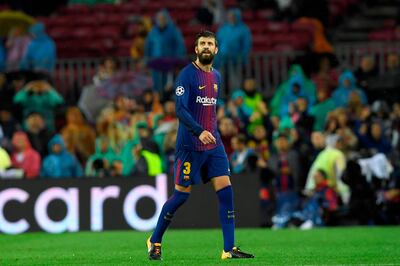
191,167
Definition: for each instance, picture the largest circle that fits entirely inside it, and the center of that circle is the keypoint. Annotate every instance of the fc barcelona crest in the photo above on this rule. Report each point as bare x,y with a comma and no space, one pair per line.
216,87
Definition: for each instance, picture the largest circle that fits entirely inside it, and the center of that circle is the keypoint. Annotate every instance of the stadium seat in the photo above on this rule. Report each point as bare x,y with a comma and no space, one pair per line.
382,35
107,32
59,33
104,8
74,9
81,32
123,48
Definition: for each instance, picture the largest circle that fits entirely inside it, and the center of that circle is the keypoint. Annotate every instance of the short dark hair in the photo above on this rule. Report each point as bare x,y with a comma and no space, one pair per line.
206,34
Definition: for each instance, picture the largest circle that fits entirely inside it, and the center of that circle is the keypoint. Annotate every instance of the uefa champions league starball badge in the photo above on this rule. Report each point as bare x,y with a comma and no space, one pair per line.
179,91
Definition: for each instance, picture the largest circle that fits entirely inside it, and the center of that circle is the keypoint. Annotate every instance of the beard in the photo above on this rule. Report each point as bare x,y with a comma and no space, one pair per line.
206,58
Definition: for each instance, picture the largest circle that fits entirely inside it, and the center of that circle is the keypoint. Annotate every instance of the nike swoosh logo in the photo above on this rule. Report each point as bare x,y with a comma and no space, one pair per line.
202,87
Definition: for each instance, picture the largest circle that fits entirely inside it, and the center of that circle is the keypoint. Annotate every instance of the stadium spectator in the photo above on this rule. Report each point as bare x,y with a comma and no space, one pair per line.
24,156
210,12
79,137
234,40
361,207
258,142
100,161
238,111
152,105
344,131
41,52
17,45
301,118
147,162
321,109
366,71
286,169
318,144
38,134
289,98
333,162
39,96
327,77
320,44
385,86
253,100
8,125
164,31
106,70
138,43
318,209
286,86
60,163
239,159
373,138
227,131
347,87
7,93
116,168
5,161
169,151
169,114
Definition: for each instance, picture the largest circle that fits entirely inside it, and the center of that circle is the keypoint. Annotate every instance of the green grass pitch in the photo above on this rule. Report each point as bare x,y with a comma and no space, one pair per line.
330,246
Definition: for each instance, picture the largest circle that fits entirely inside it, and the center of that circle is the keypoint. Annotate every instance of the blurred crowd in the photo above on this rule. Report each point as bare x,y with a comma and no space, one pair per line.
325,147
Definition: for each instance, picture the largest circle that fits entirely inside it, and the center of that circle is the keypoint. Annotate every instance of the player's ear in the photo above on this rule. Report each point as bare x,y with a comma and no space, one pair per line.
196,49
216,50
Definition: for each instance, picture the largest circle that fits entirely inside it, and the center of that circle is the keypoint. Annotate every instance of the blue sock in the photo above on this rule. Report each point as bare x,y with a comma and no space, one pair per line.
227,216
167,213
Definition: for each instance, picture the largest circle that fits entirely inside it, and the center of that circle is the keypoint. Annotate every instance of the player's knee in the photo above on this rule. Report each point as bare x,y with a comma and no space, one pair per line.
183,189
181,197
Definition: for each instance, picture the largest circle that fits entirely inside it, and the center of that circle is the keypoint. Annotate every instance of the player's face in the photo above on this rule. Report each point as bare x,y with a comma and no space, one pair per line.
206,49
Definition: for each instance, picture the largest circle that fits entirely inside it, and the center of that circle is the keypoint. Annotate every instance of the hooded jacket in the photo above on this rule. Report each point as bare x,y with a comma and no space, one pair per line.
60,165
234,40
108,155
306,84
342,93
41,51
28,160
164,42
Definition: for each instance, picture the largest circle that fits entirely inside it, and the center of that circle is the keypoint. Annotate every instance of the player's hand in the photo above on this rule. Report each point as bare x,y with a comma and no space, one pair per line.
207,138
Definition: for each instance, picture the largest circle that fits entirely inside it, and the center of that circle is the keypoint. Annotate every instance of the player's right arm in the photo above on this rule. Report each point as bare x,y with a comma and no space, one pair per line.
182,91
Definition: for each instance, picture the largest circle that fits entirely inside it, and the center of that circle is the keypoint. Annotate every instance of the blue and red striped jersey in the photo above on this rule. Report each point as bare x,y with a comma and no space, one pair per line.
196,107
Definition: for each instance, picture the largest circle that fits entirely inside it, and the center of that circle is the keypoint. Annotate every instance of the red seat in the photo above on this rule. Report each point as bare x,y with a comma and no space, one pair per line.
131,30
82,32
263,14
84,20
74,9
60,21
59,33
104,8
382,35
114,19
123,48
130,8
107,32
277,27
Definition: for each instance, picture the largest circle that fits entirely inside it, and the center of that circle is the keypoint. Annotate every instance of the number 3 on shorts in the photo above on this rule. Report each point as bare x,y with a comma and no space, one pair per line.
187,165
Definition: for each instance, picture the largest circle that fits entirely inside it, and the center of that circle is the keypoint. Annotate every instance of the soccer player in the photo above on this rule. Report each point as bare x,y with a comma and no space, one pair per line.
200,154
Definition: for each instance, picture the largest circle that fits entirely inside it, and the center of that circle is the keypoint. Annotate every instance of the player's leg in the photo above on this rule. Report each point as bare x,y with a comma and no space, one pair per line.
178,198
218,172
222,186
185,171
